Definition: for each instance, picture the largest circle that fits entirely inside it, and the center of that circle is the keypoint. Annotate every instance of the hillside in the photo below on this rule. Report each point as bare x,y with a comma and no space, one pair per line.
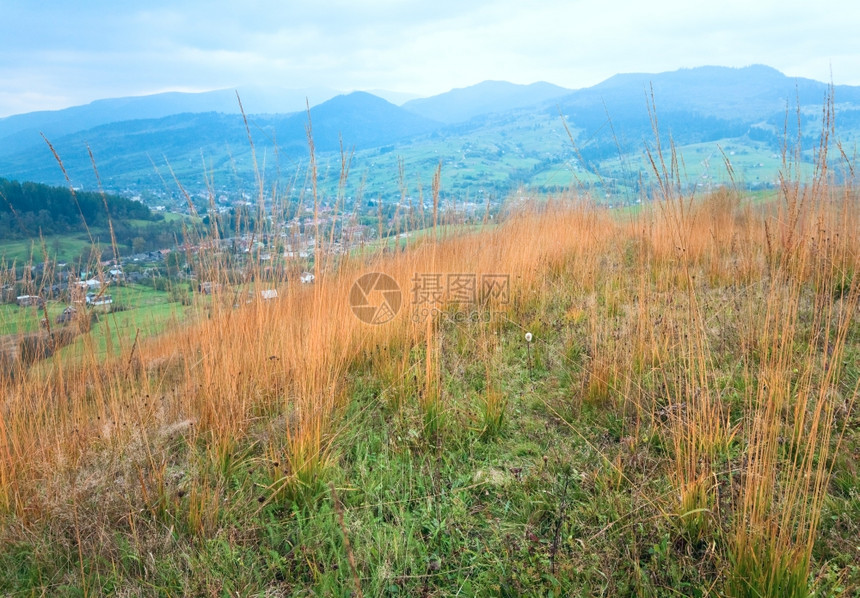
140,154
749,94
460,105
490,138
23,130
39,221
567,402
30,208
362,120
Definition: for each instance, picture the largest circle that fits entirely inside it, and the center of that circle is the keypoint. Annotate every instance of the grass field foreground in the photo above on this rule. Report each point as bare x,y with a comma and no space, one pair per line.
681,420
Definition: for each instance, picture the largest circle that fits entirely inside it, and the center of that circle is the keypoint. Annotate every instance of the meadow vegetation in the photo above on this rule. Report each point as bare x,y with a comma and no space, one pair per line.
682,422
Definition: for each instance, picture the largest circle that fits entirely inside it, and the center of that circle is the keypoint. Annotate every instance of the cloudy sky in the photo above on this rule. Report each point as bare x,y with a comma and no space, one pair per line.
58,53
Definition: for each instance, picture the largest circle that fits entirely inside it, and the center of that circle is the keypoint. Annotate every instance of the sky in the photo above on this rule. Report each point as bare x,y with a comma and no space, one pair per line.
55,54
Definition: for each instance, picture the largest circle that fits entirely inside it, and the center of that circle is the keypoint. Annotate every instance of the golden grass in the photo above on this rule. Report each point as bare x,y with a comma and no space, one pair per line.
272,375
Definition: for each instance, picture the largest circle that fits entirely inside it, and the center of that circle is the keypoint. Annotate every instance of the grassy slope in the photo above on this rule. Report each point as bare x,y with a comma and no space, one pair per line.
495,155
141,313
59,247
289,449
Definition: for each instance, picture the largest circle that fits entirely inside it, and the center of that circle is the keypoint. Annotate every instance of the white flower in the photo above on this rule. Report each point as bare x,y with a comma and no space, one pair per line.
529,337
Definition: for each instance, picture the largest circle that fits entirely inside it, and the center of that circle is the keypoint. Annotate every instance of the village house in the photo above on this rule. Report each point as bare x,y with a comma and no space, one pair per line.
98,300
29,300
91,284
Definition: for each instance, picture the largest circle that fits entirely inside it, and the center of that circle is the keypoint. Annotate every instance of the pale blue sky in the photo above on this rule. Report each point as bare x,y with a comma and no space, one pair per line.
55,54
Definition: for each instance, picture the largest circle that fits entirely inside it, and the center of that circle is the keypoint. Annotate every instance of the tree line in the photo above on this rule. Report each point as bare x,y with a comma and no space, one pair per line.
29,209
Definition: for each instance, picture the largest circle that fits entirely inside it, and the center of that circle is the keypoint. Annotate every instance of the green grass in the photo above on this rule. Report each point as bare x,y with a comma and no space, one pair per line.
59,247
572,494
14,319
145,313
115,332
149,313
537,510
510,522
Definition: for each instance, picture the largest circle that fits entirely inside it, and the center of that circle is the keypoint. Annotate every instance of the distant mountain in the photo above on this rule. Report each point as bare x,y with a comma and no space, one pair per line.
750,93
361,119
23,130
460,105
398,98
697,105
491,137
130,149
125,148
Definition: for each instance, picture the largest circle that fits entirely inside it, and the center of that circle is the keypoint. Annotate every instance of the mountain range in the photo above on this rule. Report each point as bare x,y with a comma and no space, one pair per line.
494,135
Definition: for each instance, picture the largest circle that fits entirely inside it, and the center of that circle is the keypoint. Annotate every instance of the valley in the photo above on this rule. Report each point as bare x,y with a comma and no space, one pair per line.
510,340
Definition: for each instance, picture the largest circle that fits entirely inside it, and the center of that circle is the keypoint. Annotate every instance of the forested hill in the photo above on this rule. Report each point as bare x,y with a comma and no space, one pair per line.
28,209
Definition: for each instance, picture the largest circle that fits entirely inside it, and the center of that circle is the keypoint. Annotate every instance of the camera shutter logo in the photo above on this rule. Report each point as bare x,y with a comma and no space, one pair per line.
375,298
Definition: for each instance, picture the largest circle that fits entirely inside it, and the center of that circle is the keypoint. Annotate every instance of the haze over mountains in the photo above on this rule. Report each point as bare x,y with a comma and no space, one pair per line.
494,135
459,105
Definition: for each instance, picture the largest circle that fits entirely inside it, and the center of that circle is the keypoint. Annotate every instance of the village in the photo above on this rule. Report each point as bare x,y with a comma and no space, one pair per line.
284,256
280,252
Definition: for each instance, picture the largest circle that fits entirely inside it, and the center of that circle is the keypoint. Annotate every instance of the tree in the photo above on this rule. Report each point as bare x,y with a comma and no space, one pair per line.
175,261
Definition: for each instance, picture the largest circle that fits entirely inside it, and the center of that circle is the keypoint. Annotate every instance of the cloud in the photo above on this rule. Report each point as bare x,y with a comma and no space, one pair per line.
76,52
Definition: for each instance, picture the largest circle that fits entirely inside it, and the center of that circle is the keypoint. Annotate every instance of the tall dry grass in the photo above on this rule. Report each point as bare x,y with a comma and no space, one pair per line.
716,324
238,363
790,267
